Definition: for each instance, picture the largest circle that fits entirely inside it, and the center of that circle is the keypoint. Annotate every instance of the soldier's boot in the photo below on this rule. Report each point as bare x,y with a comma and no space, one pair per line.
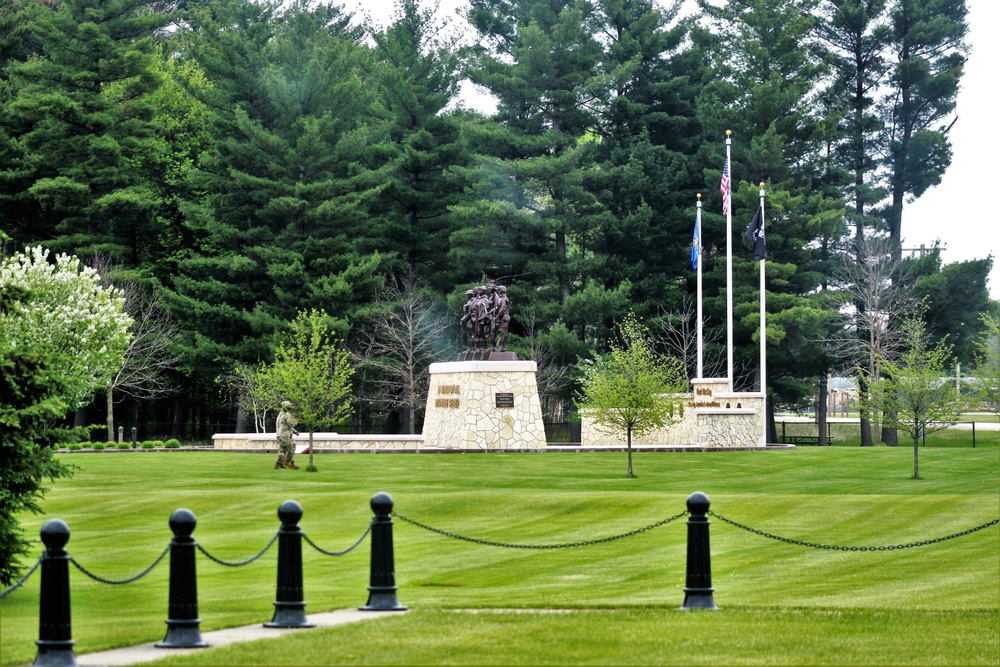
278,465
289,464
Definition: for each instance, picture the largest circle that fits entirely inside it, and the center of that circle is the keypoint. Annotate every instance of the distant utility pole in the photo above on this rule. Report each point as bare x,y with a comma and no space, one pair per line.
923,249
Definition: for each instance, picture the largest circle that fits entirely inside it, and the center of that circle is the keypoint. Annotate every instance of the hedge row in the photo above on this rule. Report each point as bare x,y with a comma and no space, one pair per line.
146,444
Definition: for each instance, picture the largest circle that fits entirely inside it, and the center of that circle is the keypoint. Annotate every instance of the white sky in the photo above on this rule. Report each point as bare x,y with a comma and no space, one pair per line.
958,211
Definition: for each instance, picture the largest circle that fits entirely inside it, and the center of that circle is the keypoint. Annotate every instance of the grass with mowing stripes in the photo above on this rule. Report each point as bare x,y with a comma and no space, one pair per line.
936,604
737,636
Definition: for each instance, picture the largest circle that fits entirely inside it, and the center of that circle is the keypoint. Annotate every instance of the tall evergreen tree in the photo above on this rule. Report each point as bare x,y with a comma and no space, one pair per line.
767,74
79,126
280,226
856,32
645,170
418,145
955,297
534,217
928,57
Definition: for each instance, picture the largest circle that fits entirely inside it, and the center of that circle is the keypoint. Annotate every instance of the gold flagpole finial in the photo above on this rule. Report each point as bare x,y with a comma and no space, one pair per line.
728,133
699,196
762,185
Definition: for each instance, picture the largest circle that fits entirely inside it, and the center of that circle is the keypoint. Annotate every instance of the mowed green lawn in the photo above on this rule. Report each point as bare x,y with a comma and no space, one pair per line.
609,603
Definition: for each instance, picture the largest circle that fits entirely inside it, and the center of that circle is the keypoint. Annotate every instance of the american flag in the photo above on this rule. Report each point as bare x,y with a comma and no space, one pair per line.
724,187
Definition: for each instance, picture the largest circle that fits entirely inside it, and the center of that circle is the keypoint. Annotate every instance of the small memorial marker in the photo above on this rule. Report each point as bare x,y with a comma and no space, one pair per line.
504,399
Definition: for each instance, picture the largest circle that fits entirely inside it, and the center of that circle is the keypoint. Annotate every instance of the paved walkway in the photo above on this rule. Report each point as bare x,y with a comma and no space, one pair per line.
147,652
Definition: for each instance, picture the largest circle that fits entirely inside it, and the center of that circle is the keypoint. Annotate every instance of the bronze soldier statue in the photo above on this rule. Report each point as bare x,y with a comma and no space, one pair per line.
486,318
501,318
468,321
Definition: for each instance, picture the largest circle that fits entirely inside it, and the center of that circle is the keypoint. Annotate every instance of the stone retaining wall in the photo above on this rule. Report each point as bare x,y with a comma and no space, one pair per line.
712,418
321,441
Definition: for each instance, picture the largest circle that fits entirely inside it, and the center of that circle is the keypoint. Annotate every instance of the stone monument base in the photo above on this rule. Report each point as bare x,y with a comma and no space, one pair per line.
484,404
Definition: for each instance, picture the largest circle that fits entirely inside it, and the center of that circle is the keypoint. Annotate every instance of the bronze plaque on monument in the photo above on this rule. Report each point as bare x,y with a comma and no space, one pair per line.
504,399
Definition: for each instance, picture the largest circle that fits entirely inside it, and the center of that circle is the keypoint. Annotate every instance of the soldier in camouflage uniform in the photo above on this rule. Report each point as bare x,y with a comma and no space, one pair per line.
285,427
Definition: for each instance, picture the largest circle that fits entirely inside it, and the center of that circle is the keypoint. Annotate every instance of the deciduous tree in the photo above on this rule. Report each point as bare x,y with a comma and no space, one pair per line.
632,389
62,336
34,396
149,356
876,299
915,393
66,313
400,336
313,371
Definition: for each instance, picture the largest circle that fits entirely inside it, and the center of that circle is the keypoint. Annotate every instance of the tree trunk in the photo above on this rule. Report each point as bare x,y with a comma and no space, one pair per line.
916,462
175,420
629,436
863,411
109,397
890,436
411,408
311,466
561,254
821,410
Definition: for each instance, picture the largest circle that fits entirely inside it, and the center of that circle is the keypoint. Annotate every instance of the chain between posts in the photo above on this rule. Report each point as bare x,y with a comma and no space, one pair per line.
119,582
20,583
565,545
240,563
890,547
339,553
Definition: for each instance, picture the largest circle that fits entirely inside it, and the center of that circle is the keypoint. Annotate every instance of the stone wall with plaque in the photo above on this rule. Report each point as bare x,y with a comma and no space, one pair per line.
484,405
713,417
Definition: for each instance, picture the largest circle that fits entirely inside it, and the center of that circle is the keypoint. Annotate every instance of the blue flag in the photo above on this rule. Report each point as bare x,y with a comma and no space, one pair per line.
696,243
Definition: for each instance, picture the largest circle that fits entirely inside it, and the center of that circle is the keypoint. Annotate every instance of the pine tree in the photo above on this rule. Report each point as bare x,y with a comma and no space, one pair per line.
280,225
645,166
855,32
79,126
533,215
929,50
417,158
768,69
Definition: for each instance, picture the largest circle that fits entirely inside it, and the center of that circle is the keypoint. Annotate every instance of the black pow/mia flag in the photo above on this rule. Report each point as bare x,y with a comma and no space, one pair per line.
755,234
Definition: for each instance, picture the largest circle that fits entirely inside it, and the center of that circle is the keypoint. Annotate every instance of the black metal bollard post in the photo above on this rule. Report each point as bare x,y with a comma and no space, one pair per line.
183,624
382,588
289,607
55,635
135,432
698,591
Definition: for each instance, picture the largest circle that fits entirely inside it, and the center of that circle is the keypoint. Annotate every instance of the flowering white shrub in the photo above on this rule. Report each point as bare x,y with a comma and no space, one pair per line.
68,316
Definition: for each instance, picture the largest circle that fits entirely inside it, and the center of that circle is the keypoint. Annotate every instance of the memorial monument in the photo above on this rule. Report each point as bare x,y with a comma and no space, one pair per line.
488,398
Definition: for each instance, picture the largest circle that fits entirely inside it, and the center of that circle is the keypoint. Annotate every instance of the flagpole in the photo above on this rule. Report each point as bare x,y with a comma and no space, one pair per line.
729,265
698,227
763,328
